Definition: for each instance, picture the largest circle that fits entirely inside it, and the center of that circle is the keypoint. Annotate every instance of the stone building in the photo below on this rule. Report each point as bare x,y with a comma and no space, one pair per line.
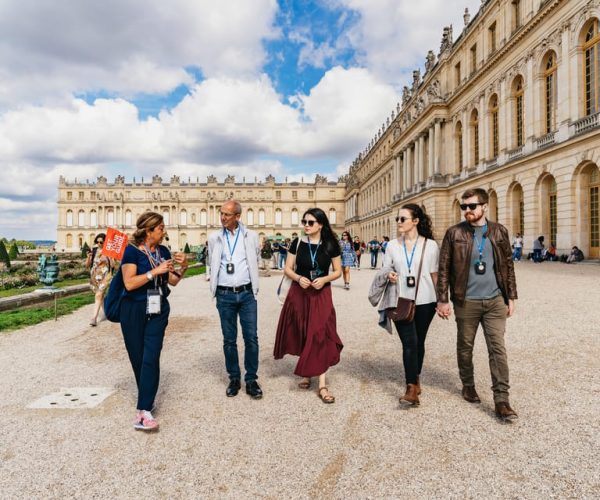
512,106
190,209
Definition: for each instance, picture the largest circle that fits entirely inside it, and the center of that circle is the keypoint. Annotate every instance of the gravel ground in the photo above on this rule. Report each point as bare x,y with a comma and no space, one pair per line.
290,445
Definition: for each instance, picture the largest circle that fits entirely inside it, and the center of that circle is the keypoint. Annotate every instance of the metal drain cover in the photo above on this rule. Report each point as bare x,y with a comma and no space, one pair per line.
73,397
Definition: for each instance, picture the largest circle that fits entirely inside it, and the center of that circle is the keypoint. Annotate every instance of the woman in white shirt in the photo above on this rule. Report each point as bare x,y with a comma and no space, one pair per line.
404,256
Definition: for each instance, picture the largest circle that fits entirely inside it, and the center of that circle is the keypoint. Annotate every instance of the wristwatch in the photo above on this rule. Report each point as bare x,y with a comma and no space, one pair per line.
149,276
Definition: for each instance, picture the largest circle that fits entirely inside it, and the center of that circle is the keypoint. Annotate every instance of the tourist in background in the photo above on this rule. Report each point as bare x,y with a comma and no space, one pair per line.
283,250
413,250
148,270
517,245
234,254
100,274
307,324
374,247
266,254
575,256
275,258
538,248
358,250
348,257
476,266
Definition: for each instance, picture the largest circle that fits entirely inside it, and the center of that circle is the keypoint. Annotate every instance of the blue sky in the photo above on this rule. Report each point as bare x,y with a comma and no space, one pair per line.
240,87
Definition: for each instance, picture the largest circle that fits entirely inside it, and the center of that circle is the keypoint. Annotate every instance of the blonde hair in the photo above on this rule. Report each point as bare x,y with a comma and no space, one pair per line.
146,222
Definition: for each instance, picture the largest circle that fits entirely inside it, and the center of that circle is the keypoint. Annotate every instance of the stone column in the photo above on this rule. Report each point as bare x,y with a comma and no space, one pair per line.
437,135
431,144
408,166
504,128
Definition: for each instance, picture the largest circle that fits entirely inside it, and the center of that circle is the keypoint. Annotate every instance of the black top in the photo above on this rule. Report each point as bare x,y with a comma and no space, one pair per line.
356,245
324,254
135,256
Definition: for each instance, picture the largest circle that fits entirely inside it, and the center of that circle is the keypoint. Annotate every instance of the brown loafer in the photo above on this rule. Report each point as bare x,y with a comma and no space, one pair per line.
505,412
410,397
470,394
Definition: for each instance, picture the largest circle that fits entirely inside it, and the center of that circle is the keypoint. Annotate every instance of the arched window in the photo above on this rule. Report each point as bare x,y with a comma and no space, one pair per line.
81,218
166,216
250,217
69,242
80,240
518,98
553,219
183,217
550,68
203,217
591,49
295,220
516,10
69,218
459,146
261,217
128,218
332,216
110,217
594,213
494,126
278,217
93,218
475,135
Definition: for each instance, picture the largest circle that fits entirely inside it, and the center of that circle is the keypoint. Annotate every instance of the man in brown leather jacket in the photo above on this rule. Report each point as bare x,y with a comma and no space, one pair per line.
476,264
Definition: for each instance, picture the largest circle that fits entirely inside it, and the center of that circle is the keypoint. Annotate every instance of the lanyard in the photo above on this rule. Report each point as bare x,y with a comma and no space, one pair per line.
409,261
154,259
231,250
482,244
313,257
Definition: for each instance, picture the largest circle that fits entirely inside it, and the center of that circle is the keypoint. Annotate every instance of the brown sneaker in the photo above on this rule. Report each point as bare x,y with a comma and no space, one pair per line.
505,412
470,394
410,397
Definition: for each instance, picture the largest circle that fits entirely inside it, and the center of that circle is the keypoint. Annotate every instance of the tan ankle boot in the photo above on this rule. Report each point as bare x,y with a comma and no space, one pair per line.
411,396
418,385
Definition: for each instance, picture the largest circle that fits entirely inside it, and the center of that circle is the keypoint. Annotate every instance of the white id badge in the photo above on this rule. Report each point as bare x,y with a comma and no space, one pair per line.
153,302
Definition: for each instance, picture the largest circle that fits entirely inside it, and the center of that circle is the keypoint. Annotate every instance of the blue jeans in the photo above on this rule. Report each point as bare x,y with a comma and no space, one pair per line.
230,305
282,257
517,252
537,255
374,259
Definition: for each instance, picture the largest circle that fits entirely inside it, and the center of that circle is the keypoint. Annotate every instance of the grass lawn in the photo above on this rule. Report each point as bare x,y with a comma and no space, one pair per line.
59,284
22,317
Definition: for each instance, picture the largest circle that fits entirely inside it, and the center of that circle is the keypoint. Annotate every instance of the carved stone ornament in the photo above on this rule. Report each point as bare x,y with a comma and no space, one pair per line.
416,79
320,179
119,180
429,61
101,180
270,179
211,179
467,16
175,180
230,179
434,91
156,179
406,95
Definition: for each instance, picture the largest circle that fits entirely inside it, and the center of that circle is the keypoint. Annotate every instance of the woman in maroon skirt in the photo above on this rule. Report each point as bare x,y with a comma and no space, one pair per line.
307,324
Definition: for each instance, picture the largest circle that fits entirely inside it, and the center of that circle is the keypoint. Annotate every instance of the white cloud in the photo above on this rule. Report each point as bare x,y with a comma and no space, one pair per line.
50,49
393,36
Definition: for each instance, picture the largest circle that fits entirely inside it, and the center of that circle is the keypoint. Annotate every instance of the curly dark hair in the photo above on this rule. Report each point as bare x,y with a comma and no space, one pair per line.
424,227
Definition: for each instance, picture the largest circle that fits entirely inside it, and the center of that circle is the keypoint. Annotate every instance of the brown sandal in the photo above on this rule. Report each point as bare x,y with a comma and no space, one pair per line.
304,384
327,398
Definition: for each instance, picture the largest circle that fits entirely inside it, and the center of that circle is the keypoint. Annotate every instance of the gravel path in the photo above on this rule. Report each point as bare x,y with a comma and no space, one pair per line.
290,445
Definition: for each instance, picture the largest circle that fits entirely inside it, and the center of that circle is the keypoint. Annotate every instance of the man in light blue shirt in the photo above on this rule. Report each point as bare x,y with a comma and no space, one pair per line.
234,254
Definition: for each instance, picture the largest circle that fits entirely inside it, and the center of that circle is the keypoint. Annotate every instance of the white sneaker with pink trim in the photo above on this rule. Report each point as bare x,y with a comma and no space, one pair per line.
144,421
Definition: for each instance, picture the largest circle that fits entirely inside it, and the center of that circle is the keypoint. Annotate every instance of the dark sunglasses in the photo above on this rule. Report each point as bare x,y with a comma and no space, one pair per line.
402,219
470,206
99,241
309,223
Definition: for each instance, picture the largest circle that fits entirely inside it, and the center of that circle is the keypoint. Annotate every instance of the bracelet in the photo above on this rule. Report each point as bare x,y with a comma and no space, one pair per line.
176,274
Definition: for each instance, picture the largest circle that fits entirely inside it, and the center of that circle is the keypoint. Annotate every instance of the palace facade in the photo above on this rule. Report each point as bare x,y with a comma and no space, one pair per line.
511,106
190,209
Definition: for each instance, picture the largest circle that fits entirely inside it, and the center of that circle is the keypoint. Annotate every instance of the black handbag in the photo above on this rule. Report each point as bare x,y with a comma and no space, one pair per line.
404,312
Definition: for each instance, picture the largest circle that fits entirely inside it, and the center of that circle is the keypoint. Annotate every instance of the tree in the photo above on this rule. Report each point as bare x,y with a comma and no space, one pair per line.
13,253
187,248
85,249
4,254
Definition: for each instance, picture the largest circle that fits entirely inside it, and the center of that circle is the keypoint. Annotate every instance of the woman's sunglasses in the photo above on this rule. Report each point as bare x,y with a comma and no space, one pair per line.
100,241
402,219
470,206
309,223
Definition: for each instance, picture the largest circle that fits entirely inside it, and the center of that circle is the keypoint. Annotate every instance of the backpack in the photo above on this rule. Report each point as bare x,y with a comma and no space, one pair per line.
112,301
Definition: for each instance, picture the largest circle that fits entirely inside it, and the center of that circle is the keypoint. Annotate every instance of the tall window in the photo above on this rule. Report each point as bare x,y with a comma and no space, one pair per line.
69,218
81,218
183,218
457,75
553,212
550,92
459,146
473,58
494,126
518,97
516,10
203,218
250,217
278,217
475,135
592,66
93,218
110,218
261,217
166,216
332,216
294,217
492,37
128,218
